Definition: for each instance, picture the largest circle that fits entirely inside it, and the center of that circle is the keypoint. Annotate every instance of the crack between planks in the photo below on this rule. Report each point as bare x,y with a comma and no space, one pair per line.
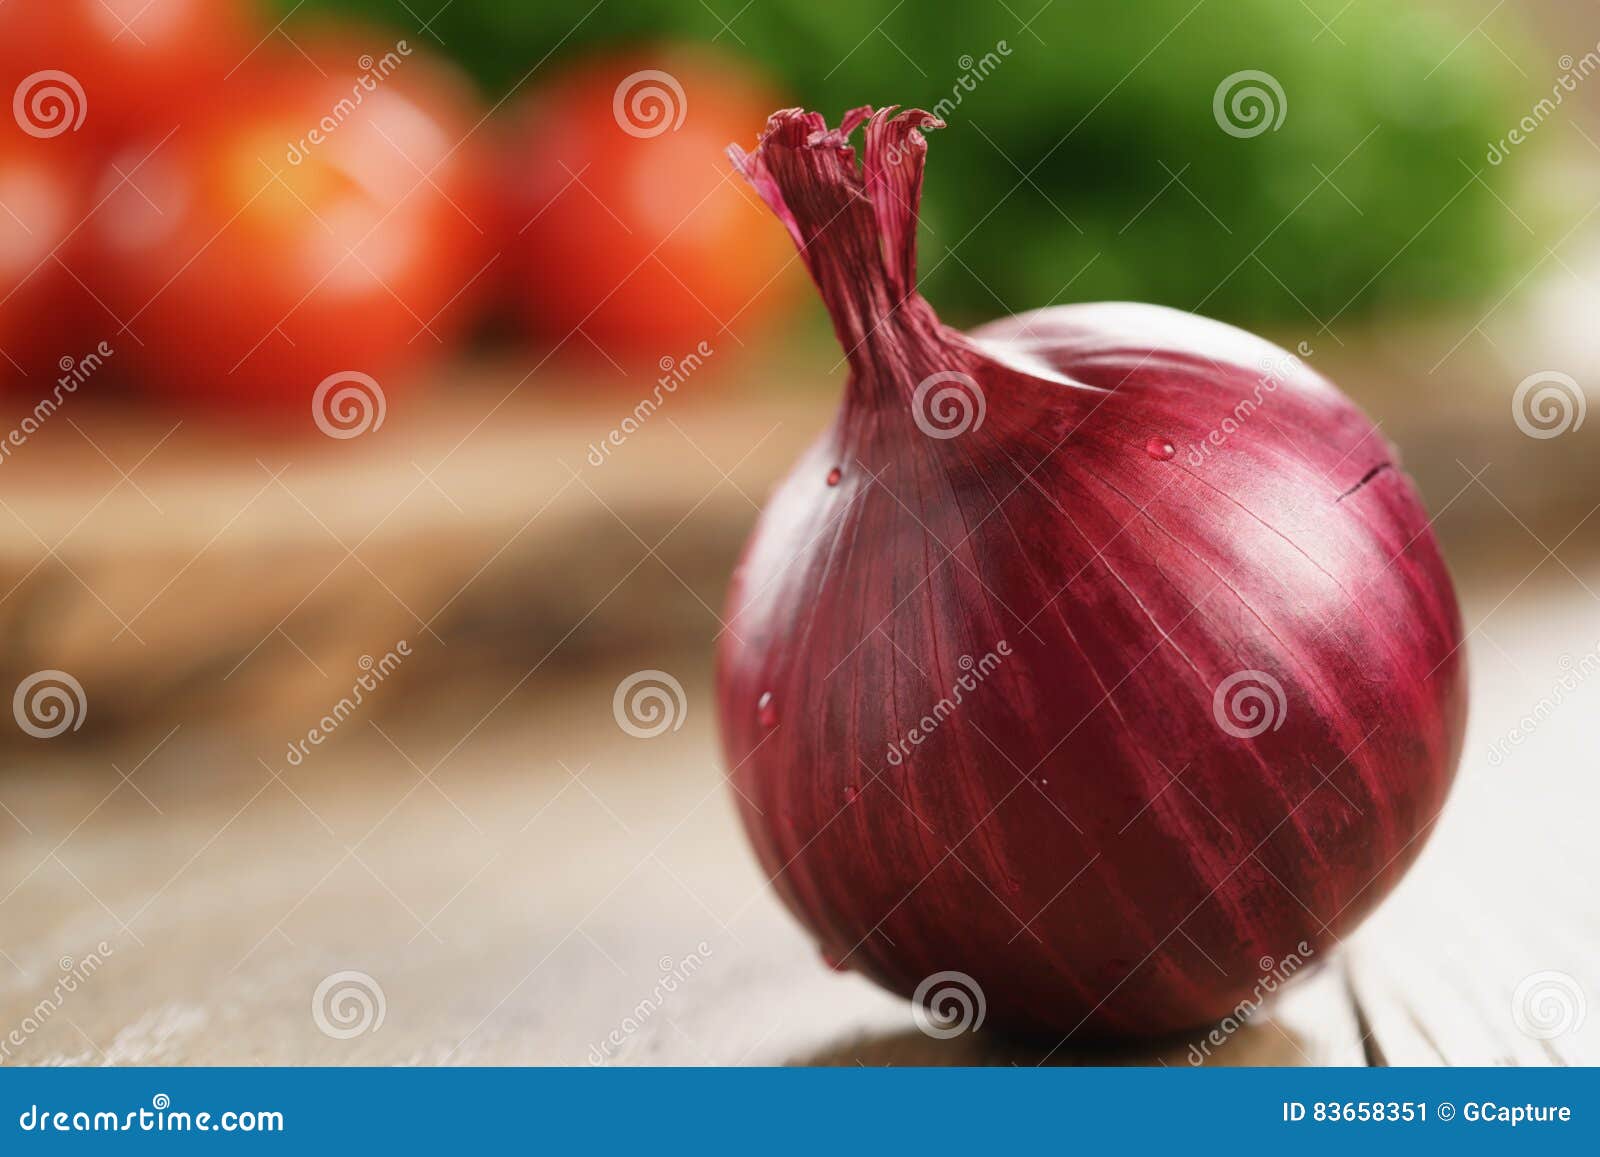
1370,1049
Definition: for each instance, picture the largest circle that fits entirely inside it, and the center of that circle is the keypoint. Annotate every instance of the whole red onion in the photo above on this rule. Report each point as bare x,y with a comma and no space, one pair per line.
1102,654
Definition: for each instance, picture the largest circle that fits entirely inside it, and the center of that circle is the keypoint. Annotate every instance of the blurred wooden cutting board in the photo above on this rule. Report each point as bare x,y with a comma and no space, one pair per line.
161,558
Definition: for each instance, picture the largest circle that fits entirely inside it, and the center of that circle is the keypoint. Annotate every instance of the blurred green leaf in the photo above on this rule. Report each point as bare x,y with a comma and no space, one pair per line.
1086,162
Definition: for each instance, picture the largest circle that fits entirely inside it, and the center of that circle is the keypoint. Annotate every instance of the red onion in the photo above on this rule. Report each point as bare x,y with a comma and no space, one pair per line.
1101,654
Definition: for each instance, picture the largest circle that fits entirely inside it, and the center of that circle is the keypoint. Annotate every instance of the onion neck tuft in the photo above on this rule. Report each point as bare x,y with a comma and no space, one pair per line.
856,230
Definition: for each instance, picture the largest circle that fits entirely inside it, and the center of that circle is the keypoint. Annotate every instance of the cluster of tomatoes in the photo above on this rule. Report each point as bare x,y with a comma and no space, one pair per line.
232,213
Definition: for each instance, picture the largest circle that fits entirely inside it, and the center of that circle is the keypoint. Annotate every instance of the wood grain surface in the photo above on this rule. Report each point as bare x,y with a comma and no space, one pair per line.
517,876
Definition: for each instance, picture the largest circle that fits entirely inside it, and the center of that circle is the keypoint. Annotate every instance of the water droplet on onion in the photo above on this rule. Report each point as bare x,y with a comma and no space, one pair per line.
1159,448
766,710
834,475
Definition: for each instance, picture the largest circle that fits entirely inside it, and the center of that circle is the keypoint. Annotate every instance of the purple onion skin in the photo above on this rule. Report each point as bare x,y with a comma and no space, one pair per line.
1081,835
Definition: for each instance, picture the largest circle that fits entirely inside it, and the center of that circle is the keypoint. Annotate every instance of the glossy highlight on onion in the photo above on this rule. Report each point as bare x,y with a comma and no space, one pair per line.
1102,655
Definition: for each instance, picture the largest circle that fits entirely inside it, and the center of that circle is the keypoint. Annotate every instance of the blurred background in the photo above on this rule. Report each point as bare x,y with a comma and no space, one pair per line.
384,382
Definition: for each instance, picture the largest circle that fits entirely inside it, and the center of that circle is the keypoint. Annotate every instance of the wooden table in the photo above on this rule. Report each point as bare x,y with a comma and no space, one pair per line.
516,875
519,893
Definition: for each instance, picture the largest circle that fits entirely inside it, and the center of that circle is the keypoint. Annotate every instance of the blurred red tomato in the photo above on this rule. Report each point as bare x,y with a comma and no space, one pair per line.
43,301
624,219
99,69
320,223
